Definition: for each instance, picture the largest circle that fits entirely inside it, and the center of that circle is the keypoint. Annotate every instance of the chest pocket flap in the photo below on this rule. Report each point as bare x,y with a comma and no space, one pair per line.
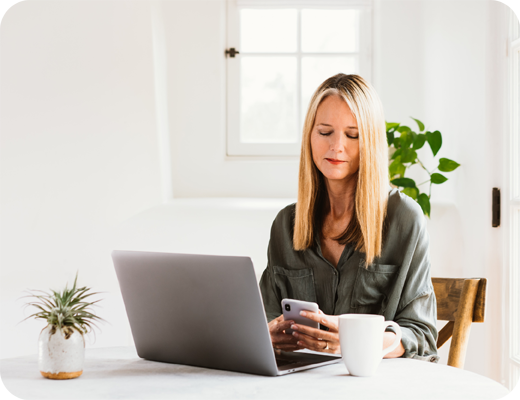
295,283
372,287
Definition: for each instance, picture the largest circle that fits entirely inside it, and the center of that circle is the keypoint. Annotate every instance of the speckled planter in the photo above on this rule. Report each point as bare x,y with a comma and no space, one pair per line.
61,352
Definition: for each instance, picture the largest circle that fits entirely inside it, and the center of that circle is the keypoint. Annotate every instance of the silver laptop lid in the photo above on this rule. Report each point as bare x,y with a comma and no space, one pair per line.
198,310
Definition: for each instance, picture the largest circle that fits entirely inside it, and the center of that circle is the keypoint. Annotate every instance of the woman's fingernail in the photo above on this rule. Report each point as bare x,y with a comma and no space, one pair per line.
303,313
295,334
294,327
300,343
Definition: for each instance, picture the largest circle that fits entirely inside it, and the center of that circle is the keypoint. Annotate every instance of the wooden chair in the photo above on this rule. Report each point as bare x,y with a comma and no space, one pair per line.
460,302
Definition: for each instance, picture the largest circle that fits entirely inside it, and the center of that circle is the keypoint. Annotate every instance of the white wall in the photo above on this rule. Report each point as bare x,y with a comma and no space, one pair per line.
197,111
80,159
451,74
78,149
474,64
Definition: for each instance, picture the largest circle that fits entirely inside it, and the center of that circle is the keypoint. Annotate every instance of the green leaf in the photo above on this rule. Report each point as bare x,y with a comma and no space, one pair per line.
396,168
447,165
408,155
419,141
434,140
403,182
412,192
424,202
419,124
397,142
438,178
412,135
391,125
390,137
66,308
403,128
397,153
406,139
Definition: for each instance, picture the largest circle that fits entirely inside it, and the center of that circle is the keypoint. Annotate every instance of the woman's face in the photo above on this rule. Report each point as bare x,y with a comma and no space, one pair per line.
335,140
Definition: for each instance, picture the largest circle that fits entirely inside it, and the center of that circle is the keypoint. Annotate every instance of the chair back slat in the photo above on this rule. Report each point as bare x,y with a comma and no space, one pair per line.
480,301
447,292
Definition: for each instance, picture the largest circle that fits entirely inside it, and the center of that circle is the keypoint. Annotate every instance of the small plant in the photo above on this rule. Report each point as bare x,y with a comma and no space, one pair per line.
403,154
66,310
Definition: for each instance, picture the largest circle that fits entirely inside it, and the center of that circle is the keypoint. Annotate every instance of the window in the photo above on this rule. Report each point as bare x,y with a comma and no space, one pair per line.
286,49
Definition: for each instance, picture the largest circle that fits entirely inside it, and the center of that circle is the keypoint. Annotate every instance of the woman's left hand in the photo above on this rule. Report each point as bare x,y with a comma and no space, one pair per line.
318,339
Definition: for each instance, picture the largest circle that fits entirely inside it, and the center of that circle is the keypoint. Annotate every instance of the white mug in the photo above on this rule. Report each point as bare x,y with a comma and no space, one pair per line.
361,339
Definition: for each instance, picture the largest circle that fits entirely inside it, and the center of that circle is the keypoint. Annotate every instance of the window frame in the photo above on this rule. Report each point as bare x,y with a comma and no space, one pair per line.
235,148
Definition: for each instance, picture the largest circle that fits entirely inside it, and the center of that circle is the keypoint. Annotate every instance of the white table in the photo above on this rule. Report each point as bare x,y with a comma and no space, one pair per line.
118,373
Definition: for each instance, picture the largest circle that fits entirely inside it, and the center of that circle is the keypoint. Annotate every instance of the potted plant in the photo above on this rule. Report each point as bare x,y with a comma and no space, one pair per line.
403,144
61,345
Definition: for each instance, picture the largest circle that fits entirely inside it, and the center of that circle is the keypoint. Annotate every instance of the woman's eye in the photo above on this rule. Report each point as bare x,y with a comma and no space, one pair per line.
324,133
352,137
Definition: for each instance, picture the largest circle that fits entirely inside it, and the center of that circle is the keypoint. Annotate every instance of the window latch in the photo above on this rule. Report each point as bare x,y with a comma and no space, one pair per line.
232,52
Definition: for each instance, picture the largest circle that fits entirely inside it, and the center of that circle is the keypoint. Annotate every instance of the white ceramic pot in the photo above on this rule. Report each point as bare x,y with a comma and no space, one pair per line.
61,352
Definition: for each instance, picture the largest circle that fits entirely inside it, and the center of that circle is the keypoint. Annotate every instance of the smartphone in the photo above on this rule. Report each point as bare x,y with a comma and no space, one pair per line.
291,311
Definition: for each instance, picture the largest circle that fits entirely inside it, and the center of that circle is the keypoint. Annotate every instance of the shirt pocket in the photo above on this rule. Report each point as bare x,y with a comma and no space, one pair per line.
372,288
295,284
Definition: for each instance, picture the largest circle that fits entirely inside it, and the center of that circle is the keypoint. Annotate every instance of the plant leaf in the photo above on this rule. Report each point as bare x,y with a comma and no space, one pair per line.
438,178
406,139
66,308
397,153
390,137
435,141
397,142
396,168
424,202
403,182
419,141
419,124
403,128
447,165
408,155
412,192
392,125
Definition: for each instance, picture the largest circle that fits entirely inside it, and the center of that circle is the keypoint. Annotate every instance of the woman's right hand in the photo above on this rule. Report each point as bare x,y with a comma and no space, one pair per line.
281,340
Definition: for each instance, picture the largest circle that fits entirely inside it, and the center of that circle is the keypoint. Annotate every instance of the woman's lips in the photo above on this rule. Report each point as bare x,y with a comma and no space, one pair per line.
334,161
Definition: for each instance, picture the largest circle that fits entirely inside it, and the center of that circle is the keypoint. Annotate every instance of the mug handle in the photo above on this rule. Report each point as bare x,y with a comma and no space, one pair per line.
397,340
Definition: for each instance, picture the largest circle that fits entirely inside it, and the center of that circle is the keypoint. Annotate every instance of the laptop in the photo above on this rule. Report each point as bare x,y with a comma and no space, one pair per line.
204,311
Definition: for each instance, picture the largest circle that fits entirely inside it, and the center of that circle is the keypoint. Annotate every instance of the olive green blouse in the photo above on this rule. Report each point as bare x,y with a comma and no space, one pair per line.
397,285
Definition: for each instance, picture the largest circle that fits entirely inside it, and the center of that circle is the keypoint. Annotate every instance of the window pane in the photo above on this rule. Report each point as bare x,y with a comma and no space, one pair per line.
272,31
316,69
268,100
333,31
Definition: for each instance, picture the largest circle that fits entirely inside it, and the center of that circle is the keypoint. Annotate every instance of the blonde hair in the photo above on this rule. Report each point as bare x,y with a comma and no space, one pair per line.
366,227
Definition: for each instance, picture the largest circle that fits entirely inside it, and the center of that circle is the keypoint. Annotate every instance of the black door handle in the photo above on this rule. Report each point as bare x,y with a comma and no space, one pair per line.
496,208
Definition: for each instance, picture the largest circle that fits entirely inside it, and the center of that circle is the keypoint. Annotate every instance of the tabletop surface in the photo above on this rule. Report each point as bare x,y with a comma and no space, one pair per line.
118,373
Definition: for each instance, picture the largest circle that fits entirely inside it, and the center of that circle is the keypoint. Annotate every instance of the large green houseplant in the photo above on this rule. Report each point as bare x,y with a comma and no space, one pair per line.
403,144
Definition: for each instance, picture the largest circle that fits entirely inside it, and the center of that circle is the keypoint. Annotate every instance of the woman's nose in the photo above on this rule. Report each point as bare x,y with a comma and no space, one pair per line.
337,143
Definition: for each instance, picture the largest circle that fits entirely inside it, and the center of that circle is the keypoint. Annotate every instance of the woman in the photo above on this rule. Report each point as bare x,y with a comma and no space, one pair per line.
350,243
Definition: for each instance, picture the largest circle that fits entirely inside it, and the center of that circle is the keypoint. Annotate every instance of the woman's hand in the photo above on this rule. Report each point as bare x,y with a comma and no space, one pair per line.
317,339
280,339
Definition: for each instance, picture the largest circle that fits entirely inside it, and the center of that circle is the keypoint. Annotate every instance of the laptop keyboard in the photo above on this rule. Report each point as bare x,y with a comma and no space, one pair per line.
281,362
